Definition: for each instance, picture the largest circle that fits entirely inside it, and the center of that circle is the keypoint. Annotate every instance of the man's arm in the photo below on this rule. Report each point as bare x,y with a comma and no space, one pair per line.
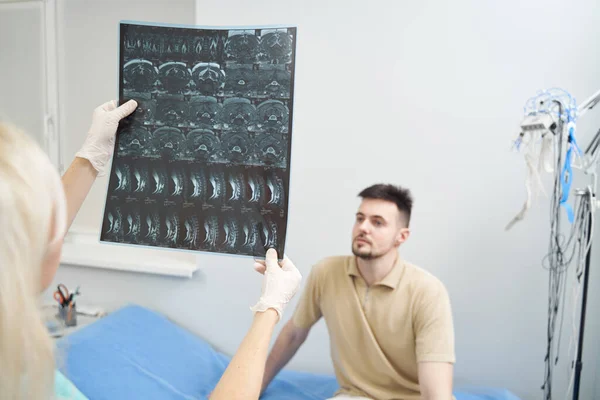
242,378
287,344
434,336
435,380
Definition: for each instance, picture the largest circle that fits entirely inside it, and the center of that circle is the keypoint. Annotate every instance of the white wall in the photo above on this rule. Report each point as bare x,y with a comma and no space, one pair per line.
22,86
425,94
89,44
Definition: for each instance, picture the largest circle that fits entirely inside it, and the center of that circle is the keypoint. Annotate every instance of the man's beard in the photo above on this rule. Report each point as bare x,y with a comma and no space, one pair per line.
370,255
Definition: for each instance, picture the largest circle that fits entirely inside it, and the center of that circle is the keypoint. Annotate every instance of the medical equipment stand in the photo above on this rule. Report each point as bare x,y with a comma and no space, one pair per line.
591,154
578,362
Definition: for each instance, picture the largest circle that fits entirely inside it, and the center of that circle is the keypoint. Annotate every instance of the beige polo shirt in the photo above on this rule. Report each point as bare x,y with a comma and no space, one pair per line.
378,334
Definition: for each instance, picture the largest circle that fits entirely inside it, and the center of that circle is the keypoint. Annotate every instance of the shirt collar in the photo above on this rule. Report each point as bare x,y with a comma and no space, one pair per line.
390,280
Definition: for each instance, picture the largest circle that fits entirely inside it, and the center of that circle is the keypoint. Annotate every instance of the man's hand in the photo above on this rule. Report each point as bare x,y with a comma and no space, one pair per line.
279,284
99,144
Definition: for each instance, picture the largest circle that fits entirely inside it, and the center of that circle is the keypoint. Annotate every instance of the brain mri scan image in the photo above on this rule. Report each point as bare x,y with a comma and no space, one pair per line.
175,47
276,189
210,232
252,237
122,175
217,186
276,46
273,117
135,43
241,81
177,181
140,179
196,188
203,144
151,226
271,150
171,229
203,111
202,164
172,111
142,45
169,142
190,232
231,233
269,232
256,189
209,47
237,114
174,77
134,141
258,233
275,81
113,223
146,109
242,46
236,147
236,187
140,75
132,225
209,78
159,181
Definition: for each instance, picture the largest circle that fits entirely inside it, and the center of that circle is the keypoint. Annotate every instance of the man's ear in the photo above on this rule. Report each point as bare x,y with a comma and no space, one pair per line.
402,236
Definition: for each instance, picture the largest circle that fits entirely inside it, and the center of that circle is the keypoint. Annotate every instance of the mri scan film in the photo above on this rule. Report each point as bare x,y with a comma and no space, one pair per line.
203,164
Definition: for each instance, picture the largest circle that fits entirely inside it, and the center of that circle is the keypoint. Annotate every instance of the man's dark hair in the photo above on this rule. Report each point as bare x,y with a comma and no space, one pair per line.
396,194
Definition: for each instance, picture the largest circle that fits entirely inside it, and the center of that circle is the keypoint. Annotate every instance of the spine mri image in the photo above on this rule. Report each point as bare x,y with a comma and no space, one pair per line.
203,163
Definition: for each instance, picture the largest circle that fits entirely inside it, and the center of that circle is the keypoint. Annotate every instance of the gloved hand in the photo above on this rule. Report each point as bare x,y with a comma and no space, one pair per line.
279,284
99,145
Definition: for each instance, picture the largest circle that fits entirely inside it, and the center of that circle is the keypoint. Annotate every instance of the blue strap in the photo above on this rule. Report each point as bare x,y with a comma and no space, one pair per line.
566,177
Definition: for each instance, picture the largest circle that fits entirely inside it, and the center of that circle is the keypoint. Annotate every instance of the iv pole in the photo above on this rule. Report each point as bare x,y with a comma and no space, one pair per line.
591,154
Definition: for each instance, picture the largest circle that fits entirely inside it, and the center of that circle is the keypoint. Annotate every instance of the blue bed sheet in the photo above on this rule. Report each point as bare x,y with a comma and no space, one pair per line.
135,353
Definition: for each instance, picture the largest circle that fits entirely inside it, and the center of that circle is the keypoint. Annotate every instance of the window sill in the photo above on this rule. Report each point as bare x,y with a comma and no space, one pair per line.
83,249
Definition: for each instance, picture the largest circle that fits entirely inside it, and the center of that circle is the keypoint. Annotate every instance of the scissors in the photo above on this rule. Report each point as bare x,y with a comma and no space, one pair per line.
62,295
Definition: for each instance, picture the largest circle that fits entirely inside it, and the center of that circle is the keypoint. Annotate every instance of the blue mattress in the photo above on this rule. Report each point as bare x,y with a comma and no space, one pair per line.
135,353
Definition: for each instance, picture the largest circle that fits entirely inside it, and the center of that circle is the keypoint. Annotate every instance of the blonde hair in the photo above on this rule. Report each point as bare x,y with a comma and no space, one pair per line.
31,202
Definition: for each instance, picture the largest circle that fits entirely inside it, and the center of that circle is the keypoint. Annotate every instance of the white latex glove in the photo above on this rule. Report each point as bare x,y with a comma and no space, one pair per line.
100,142
279,284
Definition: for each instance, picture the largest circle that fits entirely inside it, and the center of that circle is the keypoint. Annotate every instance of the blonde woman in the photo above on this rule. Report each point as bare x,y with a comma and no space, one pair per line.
36,210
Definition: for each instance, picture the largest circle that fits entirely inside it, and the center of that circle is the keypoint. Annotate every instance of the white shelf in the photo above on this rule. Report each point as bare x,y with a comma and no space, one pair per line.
85,250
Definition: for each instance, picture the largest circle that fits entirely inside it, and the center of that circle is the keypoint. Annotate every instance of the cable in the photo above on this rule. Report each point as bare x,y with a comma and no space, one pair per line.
555,260
577,284
548,141
543,113
563,249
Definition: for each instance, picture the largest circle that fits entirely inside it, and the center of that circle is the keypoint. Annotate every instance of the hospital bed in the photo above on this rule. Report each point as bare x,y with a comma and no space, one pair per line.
135,353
